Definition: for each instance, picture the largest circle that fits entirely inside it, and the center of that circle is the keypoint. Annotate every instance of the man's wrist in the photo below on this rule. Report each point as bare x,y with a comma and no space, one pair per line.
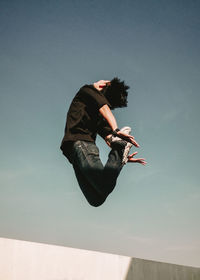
115,131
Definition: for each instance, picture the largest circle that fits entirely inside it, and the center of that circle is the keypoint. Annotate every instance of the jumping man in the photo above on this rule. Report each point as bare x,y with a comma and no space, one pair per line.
90,114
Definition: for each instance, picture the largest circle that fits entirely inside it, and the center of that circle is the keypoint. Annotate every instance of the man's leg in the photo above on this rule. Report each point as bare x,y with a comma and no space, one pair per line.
95,180
88,169
117,158
93,197
112,168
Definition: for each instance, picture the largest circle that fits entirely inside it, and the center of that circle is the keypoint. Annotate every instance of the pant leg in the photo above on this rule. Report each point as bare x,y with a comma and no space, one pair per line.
113,168
95,180
93,197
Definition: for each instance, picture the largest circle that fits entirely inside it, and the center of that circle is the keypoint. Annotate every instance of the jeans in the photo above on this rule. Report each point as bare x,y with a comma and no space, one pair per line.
95,180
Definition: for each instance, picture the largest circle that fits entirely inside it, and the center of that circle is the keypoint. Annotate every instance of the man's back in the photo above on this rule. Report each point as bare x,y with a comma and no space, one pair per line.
83,118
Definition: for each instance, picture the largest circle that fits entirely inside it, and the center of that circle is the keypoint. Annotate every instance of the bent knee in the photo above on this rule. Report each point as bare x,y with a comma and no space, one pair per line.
97,203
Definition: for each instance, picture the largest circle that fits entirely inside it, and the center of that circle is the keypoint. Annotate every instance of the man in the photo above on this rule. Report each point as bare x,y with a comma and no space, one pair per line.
90,114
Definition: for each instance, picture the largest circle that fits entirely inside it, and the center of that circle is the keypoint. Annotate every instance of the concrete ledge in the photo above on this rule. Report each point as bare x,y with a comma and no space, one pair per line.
21,260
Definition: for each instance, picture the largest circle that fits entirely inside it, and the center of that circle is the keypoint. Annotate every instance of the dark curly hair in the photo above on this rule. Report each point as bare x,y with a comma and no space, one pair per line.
116,93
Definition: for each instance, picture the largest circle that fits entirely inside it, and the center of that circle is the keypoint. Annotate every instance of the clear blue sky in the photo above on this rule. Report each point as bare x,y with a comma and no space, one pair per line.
48,50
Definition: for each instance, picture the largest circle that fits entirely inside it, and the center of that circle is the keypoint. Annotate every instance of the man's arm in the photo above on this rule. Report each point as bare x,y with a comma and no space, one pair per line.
108,115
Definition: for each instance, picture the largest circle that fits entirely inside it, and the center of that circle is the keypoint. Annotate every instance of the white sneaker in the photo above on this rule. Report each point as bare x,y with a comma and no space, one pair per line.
126,146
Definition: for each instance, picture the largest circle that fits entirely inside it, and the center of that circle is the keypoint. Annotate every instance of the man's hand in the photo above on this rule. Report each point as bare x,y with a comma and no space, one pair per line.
138,160
101,84
128,138
124,136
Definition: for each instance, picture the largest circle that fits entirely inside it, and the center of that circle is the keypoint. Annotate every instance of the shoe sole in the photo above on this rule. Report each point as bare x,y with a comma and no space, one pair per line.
126,130
126,152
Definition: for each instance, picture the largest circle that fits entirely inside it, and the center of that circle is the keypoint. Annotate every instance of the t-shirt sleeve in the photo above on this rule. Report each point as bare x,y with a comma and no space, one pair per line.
96,98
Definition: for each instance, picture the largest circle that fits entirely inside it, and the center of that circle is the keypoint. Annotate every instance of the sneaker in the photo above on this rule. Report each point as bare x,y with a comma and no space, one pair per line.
124,145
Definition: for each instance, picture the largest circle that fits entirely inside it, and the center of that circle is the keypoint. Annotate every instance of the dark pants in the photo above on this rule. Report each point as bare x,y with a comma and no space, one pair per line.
95,180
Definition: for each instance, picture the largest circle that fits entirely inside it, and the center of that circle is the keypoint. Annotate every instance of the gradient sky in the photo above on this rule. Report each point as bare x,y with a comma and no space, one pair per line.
48,50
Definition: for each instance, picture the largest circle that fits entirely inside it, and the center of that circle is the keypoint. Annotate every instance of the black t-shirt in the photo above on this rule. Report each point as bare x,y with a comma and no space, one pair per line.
83,118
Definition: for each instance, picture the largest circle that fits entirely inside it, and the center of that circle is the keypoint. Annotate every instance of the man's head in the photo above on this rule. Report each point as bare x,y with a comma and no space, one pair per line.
116,93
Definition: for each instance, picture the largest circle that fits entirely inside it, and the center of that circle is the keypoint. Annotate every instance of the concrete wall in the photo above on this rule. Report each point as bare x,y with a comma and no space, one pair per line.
149,270
20,260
